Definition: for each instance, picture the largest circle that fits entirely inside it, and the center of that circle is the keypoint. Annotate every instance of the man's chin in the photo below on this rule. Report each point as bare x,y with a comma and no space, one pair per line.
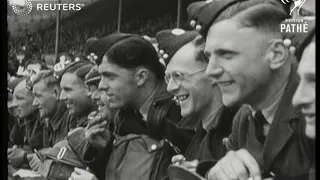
311,131
229,102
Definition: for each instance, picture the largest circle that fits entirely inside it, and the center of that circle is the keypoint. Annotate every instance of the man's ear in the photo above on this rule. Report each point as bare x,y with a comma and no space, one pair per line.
142,75
278,54
56,93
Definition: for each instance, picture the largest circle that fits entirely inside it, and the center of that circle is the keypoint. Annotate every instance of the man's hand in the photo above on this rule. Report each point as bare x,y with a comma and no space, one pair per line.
238,165
80,174
181,161
94,119
16,156
34,161
94,130
178,159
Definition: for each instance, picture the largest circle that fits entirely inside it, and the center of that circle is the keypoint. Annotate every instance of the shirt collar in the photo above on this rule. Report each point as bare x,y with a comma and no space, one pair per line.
145,107
211,121
57,118
270,111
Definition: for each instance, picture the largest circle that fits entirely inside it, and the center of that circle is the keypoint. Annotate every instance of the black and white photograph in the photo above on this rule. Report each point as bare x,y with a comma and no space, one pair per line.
160,90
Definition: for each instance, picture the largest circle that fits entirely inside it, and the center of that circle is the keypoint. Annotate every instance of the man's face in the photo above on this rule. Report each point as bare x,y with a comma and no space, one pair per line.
74,94
118,83
45,100
22,100
90,88
194,90
237,62
11,109
101,98
305,96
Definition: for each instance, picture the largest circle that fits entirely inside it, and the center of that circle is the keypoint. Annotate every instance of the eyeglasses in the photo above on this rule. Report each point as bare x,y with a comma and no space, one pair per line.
178,76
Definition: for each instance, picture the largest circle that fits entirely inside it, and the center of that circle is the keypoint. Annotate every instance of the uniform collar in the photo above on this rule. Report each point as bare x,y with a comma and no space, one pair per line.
57,119
144,110
270,111
33,117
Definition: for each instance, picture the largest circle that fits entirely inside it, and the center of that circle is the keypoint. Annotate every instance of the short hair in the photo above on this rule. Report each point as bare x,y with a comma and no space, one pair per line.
135,51
47,77
265,17
198,41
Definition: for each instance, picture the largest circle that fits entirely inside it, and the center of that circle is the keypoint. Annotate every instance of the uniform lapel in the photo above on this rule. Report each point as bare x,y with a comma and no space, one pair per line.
281,130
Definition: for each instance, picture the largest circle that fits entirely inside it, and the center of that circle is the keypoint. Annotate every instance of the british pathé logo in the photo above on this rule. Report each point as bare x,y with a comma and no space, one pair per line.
294,26
22,7
297,5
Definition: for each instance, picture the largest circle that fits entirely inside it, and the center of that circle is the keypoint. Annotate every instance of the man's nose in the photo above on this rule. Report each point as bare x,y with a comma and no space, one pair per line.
103,85
35,103
302,96
63,96
172,86
14,104
214,70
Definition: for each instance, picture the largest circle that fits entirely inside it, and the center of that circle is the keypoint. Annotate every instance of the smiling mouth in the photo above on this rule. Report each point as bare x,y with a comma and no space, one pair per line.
225,83
310,118
182,98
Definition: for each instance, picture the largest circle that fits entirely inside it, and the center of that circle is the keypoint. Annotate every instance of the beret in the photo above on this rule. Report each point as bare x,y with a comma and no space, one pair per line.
203,13
171,40
65,64
300,40
13,83
98,48
93,76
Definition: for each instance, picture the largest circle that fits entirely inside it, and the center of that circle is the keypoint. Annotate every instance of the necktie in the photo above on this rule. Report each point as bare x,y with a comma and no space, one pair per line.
259,121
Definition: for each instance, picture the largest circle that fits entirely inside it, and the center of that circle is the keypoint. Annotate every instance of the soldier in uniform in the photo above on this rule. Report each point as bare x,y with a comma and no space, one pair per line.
305,96
145,127
199,98
58,162
27,134
73,88
53,112
266,138
12,113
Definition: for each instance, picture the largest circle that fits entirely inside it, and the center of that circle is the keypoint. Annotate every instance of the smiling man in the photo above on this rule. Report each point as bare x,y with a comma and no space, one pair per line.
74,92
305,96
145,127
27,133
96,145
46,90
70,74
54,114
251,65
199,98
